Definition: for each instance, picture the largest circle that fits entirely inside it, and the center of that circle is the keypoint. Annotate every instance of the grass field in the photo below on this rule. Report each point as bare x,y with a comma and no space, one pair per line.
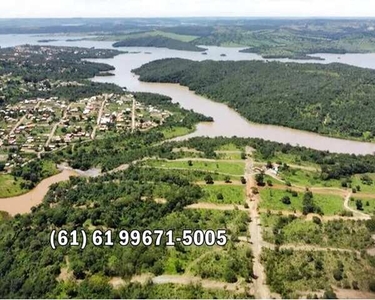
170,133
286,158
9,187
49,169
231,194
307,179
271,199
368,204
228,155
229,147
366,188
231,168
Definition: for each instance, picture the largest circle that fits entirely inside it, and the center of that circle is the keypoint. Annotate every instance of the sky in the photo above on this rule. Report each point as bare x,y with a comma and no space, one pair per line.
185,8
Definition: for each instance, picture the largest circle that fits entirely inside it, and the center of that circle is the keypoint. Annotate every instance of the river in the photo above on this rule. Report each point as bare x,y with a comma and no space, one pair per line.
227,122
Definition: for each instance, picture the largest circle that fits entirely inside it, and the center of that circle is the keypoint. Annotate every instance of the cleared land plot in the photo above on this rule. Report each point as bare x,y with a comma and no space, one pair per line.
292,272
368,205
366,182
271,199
337,233
307,179
230,194
231,168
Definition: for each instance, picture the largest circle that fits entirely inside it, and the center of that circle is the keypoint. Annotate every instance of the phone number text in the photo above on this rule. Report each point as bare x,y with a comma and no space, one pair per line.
100,238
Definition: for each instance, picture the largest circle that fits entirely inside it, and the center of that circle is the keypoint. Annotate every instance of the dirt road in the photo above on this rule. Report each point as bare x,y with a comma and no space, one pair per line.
261,290
93,134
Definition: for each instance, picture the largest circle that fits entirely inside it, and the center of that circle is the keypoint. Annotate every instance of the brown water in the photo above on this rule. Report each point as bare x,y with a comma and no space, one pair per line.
23,204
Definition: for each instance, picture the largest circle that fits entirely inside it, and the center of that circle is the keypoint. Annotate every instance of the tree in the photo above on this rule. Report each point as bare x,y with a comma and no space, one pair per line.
259,178
359,204
243,180
220,196
190,163
370,224
230,276
329,294
337,274
286,200
2,166
209,180
227,179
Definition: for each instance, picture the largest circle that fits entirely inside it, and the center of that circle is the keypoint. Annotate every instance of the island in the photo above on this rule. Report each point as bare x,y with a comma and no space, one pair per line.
158,42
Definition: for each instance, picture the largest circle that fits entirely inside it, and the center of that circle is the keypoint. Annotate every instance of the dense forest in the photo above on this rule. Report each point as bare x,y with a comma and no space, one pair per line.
333,99
158,42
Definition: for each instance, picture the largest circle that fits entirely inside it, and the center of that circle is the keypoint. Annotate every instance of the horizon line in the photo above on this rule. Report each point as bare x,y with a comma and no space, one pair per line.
199,17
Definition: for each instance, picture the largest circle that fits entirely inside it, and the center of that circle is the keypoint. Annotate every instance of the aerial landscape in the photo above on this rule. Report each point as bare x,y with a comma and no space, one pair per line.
182,153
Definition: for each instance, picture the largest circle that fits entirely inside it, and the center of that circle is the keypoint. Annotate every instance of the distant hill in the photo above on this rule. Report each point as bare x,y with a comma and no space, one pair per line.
158,42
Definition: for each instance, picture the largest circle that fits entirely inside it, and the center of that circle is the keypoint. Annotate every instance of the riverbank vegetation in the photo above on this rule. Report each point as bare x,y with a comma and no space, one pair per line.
328,99
24,178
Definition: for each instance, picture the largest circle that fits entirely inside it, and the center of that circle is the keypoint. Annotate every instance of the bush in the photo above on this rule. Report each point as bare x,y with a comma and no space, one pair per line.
230,276
220,196
355,285
286,200
317,220
329,294
359,204
337,274
372,285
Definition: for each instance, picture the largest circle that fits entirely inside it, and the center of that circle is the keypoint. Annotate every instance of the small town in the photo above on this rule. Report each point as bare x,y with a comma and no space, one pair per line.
43,125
